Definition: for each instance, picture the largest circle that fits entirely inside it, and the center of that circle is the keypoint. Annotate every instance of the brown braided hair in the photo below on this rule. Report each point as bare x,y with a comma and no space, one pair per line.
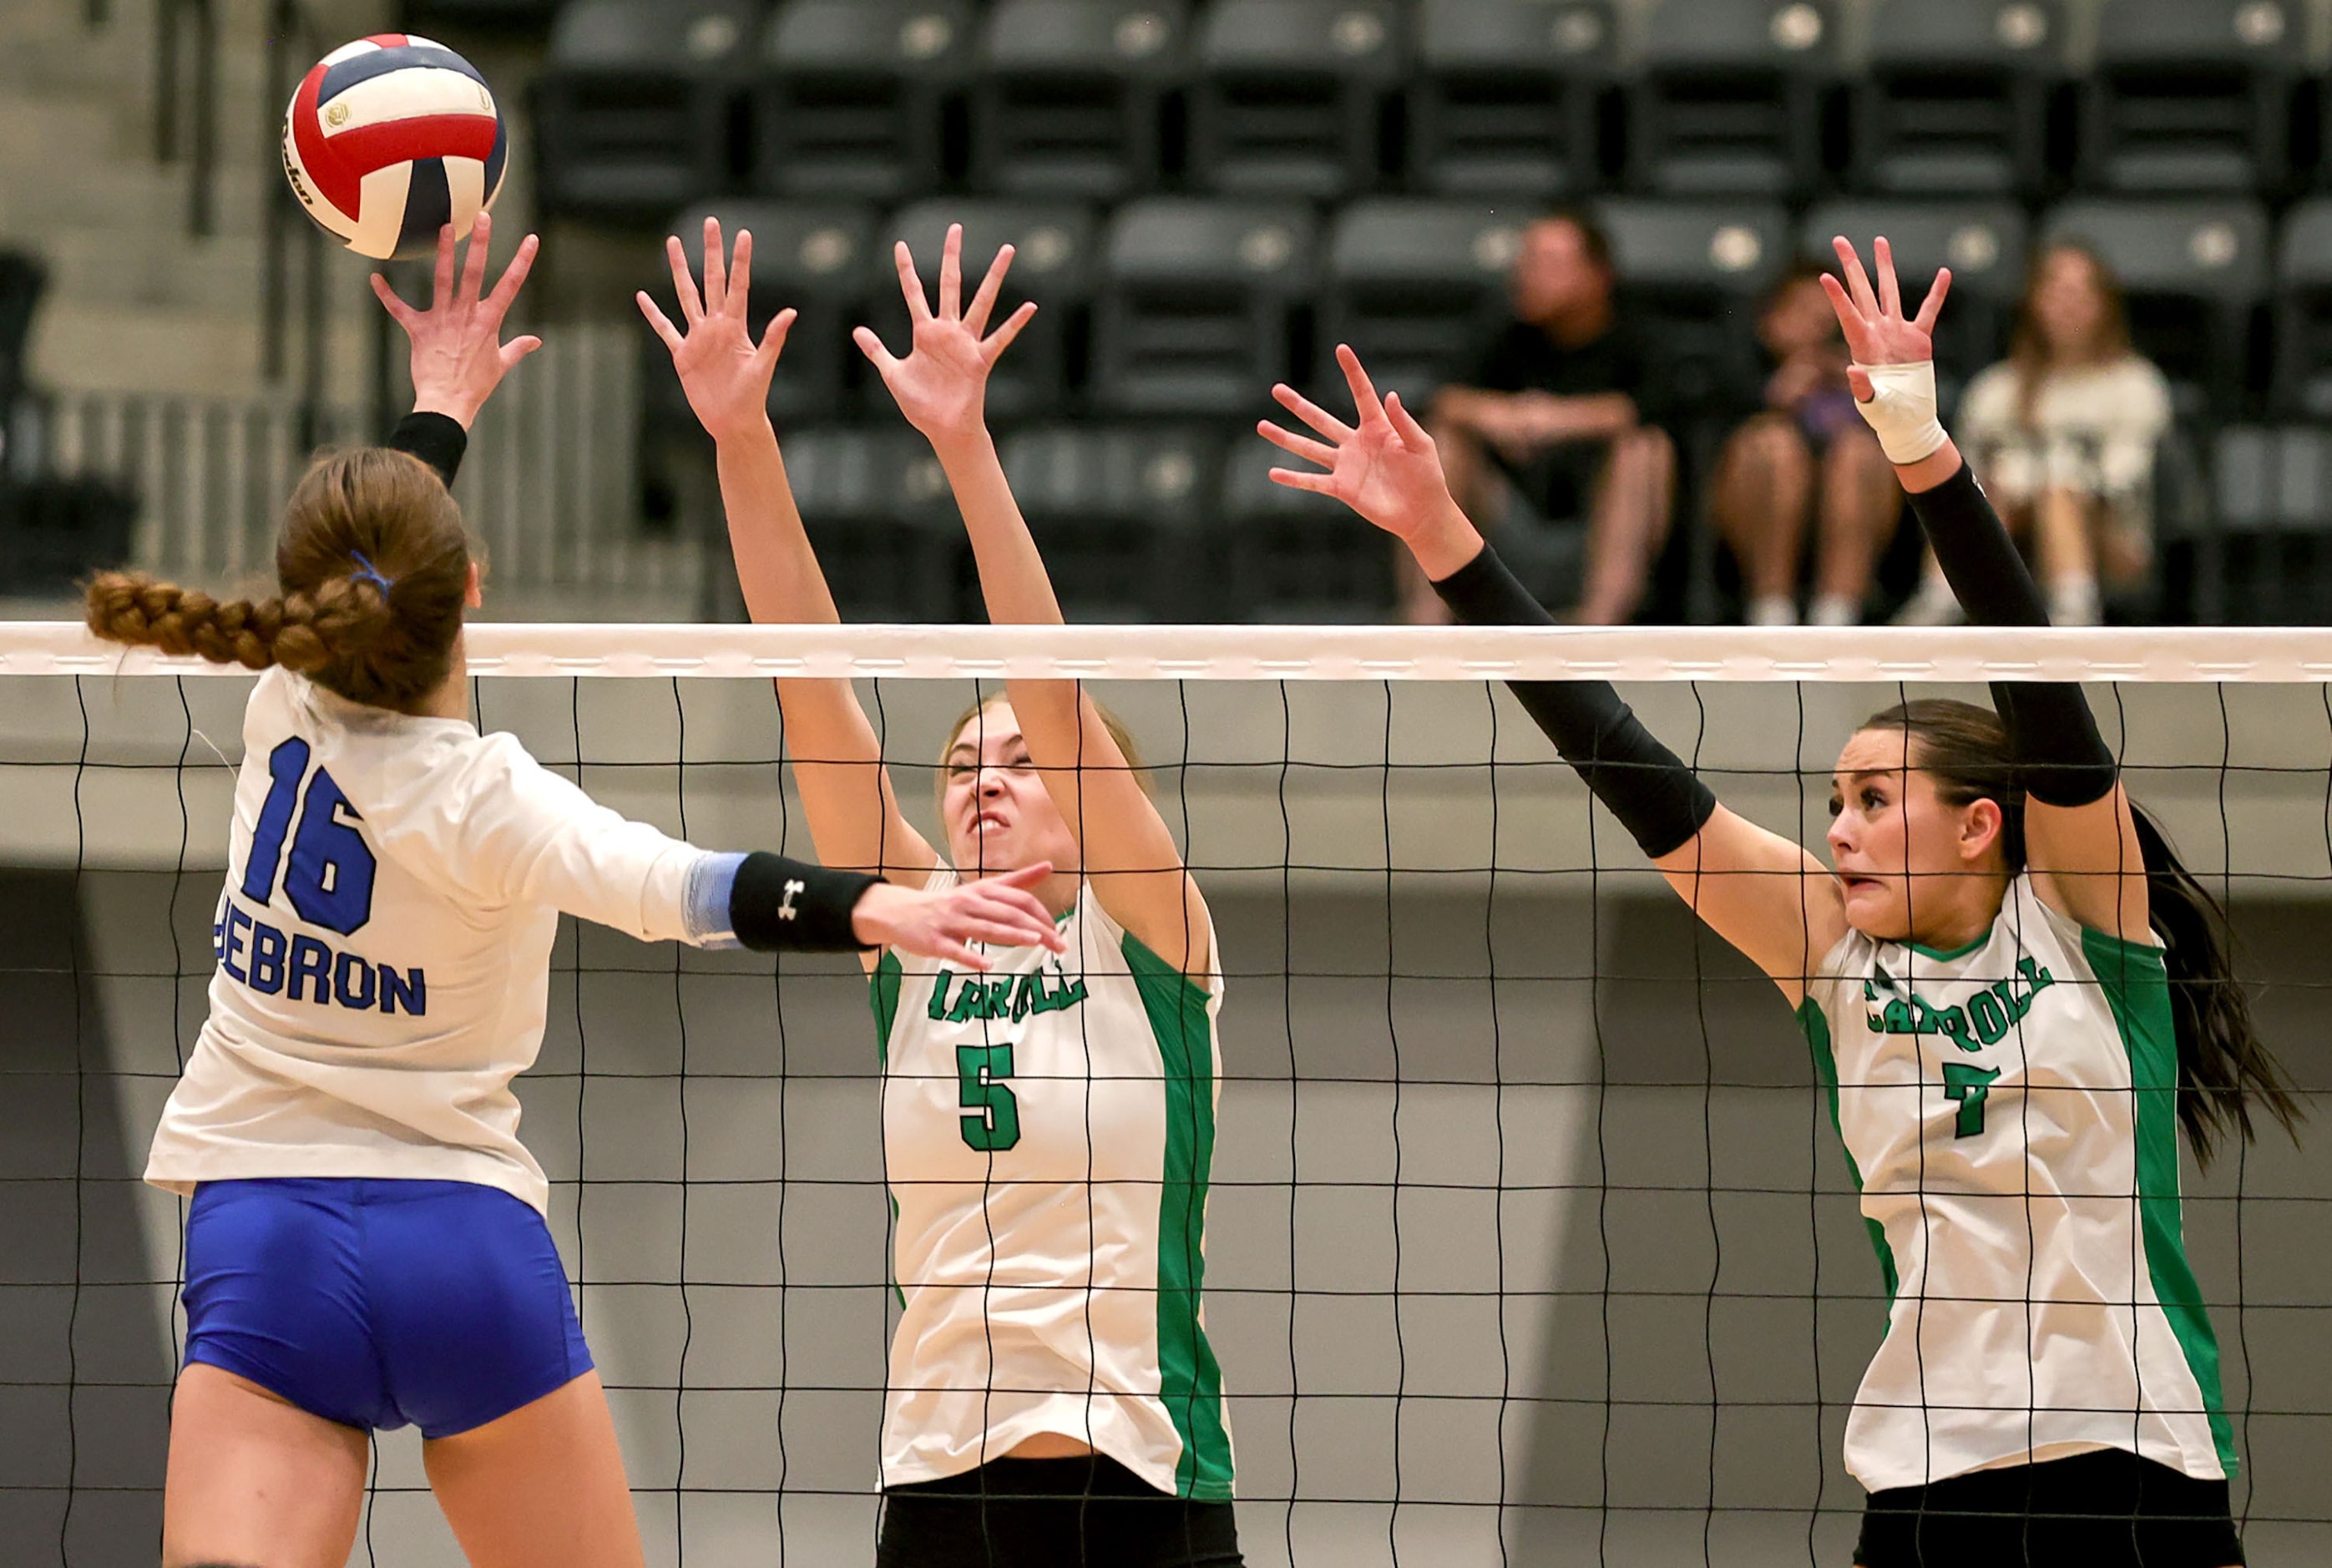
360,520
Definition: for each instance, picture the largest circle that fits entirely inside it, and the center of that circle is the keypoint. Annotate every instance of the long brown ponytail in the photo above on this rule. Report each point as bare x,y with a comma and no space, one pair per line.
373,564
2224,1068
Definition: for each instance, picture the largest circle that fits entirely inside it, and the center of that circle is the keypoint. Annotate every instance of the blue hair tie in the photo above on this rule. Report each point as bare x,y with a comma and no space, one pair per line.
371,573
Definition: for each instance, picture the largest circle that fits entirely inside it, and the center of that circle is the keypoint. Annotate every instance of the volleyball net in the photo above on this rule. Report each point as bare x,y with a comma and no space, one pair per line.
1529,1236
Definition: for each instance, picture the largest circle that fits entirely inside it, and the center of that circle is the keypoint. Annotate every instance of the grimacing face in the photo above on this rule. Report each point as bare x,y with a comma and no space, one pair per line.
1909,862
993,803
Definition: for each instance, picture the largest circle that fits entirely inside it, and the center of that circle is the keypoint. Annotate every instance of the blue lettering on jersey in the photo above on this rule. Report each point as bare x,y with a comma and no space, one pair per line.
306,970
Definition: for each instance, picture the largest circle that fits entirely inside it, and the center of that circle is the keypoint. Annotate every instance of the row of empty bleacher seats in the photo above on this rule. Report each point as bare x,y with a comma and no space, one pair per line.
1153,521
647,104
1191,307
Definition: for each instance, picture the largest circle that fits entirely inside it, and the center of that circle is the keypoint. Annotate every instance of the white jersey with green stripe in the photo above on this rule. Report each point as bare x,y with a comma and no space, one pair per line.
1048,1132
2010,1116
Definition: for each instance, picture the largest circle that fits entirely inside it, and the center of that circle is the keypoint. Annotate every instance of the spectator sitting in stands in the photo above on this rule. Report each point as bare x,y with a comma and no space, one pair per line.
2062,434
1807,453
1552,407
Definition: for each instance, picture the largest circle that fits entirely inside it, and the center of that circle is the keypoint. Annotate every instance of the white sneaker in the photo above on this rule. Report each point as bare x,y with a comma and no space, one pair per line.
1772,610
1837,610
2074,601
1932,605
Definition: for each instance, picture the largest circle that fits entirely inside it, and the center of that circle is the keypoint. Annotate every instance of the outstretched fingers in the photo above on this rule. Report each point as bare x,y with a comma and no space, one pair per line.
716,269
1365,400
1931,309
952,275
473,265
741,273
1302,447
684,282
403,314
1413,435
880,358
983,303
1890,288
660,323
441,280
992,348
773,340
1858,281
1311,414
911,283
513,278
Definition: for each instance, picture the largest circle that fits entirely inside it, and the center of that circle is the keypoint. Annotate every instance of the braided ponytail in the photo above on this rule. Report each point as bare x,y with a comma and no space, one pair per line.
374,567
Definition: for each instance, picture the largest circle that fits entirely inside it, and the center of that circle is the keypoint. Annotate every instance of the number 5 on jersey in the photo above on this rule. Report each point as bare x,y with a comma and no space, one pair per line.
991,1123
329,877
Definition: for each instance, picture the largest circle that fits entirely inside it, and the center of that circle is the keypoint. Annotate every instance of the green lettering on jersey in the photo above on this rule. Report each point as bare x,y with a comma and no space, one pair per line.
938,1007
1015,1000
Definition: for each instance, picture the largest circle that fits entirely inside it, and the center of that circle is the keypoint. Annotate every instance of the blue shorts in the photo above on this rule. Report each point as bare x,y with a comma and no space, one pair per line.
441,1305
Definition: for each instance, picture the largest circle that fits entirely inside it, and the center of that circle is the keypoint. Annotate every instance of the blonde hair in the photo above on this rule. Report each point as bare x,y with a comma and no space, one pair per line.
373,566
1109,721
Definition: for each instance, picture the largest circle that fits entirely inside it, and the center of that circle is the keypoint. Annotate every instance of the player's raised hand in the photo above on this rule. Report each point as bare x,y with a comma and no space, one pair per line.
941,386
995,910
459,356
725,374
1384,466
1877,331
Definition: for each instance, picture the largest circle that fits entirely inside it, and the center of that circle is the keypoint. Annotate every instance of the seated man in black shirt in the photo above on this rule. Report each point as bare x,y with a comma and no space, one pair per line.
1552,407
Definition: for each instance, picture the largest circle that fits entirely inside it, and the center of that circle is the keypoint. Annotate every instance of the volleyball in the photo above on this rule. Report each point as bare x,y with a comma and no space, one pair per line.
391,139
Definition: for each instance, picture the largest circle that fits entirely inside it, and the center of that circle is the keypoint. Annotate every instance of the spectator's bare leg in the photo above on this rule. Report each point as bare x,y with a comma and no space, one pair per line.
2123,543
2068,563
1862,506
1480,495
1632,508
1764,484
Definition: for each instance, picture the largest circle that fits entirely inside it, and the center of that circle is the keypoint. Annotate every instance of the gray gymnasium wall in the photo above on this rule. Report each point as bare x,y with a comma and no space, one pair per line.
1619,1286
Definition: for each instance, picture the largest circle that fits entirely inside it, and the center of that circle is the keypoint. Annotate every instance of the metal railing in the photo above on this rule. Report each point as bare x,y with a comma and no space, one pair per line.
186,99
549,488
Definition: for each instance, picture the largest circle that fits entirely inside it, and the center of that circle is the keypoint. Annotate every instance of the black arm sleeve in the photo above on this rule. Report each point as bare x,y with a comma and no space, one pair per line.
437,439
1658,800
2061,758
778,905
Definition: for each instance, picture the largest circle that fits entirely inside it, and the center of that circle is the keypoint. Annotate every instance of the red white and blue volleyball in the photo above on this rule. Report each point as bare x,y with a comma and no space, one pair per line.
389,139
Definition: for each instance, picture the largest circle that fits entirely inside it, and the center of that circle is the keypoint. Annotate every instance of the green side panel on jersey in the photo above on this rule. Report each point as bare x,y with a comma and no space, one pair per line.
883,993
1192,1388
1817,1028
2137,988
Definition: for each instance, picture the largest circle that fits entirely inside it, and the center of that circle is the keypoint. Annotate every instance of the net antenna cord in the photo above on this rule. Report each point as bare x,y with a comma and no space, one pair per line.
2201,654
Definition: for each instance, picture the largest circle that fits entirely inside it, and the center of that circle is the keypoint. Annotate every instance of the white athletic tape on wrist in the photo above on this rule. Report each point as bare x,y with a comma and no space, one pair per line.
1902,410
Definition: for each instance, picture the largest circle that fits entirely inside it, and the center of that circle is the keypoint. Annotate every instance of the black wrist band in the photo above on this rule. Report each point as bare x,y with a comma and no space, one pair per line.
1661,803
781,905
437,439
2061,758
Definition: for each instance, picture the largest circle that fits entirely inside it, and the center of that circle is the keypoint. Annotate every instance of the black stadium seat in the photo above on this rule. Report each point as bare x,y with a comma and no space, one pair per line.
1292,556
1503,101
1984,243
851,93
1691,270
1069,93
632,110
1408,283
2191,95
2196,271
2272,494
1120,515
879,515
813,257
1953,98
1288,95
1055,245
1196,298
1726,96
2304,312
